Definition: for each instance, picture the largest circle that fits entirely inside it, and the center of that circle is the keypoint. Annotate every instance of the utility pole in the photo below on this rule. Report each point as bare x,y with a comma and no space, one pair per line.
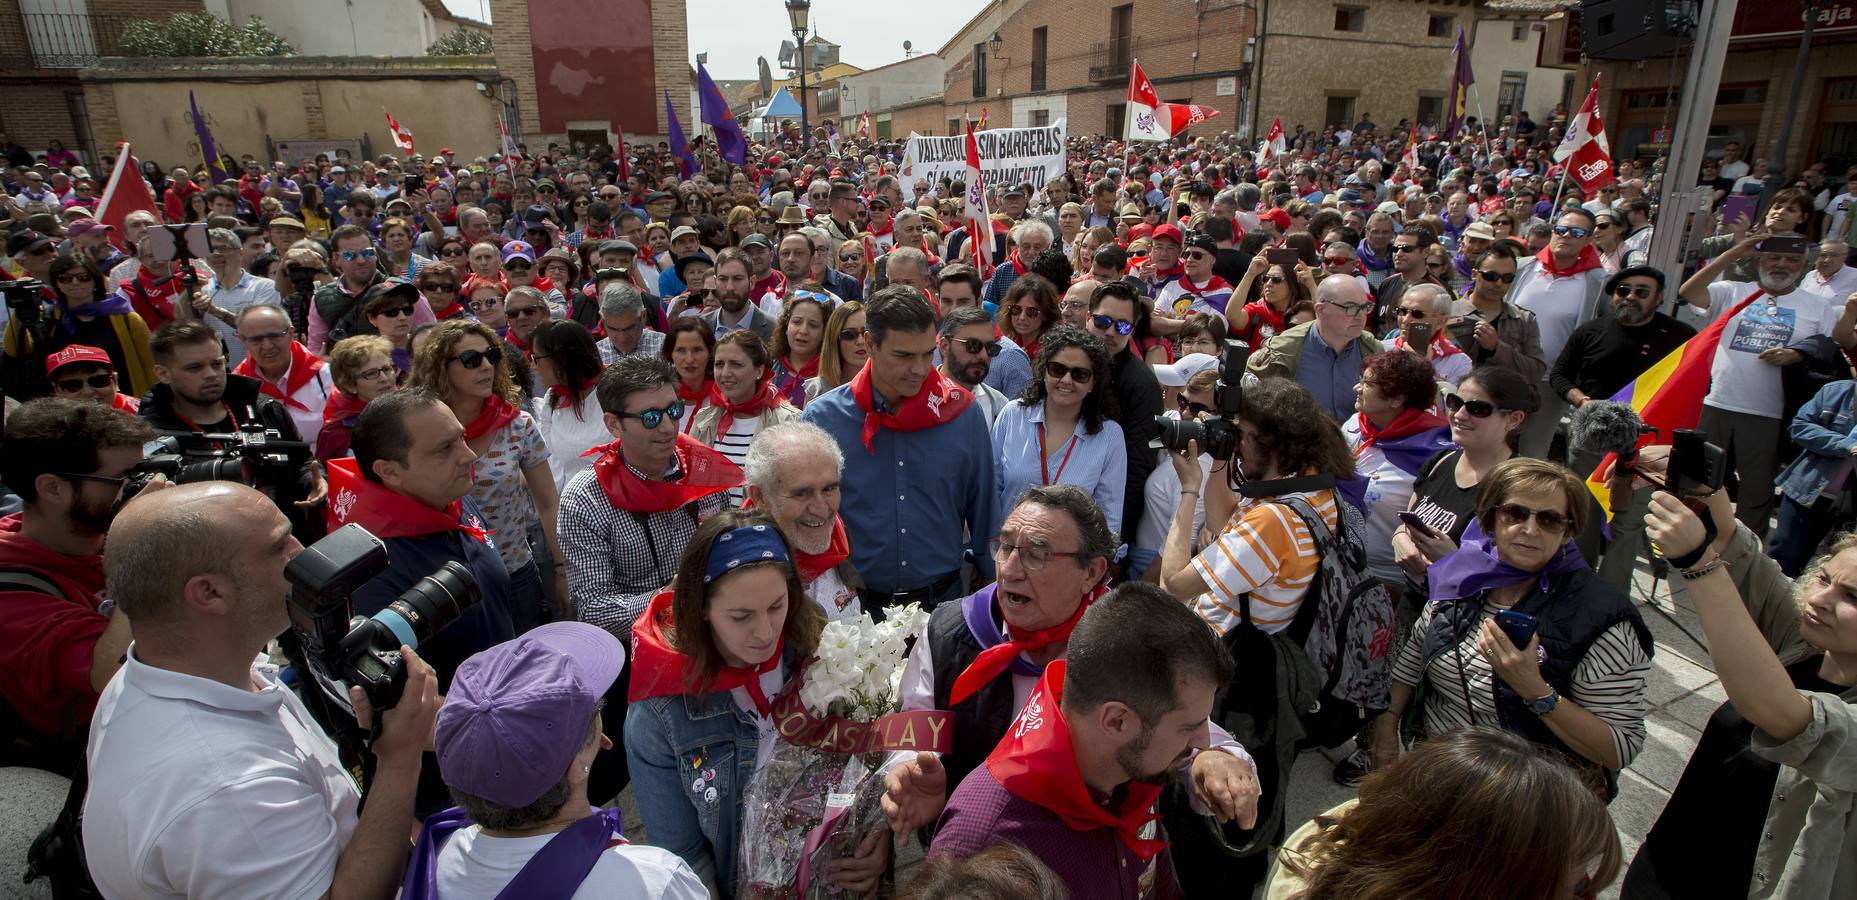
1679,200
1776,167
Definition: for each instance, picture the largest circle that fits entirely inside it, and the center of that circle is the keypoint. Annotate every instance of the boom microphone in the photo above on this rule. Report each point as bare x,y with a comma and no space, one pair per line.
1607,426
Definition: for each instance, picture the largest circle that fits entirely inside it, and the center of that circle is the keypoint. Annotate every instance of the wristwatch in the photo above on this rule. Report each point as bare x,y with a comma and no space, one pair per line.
1543,705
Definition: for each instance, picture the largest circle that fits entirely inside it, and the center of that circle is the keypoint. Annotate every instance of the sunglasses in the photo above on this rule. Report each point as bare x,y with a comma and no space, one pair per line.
352,255
849,257
99,380
517,312
1190,407
517,266
78,278
974,346
1515,515
394,312
1274,279
484,305
1196,255
1107,323
652,418
850,334
1337,260
1571,231
1407,312
474,358
1405,248
1488,275
1478,409
438,288
1079,375
1027,312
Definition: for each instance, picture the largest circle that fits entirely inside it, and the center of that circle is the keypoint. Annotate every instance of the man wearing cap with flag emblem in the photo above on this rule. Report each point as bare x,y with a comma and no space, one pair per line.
516,740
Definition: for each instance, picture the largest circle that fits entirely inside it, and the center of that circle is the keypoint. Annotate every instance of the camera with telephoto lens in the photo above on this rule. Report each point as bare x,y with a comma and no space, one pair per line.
341,648
255,456
25,299
1217,437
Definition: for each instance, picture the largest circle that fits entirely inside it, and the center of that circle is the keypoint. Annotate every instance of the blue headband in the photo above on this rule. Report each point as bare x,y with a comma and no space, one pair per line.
745,546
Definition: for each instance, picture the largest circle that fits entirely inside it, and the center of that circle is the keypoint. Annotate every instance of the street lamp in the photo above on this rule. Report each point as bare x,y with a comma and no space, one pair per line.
797,10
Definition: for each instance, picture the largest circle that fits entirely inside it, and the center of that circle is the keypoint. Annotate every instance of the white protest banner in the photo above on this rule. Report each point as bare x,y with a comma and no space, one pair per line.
1007,156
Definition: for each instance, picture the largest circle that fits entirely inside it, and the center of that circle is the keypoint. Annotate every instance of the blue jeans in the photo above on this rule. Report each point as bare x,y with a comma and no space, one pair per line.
527,606
1796,538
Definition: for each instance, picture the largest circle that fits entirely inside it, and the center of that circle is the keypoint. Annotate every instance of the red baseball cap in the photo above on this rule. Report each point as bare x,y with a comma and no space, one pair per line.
1170,232
1280,217
76,353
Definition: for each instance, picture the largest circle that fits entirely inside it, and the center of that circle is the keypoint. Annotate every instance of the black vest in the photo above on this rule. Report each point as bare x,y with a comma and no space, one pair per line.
982,719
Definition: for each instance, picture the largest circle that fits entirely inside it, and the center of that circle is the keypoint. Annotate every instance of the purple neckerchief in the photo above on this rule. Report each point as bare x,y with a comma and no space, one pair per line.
977,609
555,872
1461,263
1371,260
1474,567
113,305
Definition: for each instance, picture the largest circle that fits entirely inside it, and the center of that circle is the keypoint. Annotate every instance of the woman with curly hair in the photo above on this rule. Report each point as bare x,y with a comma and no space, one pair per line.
467,366
799,337
1444,823
1061,431
1028,308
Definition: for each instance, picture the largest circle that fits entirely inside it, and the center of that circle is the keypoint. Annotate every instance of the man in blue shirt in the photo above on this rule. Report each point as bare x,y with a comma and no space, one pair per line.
1325,355
918,482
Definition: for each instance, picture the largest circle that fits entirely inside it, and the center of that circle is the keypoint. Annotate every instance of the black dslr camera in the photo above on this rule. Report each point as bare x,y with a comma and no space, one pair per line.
340,647
253,456
25,299
1217,437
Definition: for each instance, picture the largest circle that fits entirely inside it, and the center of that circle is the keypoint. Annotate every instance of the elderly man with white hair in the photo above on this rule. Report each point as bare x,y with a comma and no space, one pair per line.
622,317
792,471
909,236
135,225
1421,313
906,266
1029,239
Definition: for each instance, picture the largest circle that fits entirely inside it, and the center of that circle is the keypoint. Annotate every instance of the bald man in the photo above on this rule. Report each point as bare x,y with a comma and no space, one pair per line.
208,777
1325,355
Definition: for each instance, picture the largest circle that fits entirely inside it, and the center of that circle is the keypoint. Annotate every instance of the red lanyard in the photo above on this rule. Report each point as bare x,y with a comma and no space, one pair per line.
1043,463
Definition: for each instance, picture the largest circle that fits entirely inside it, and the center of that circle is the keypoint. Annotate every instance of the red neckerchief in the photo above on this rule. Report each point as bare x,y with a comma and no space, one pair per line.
703,471
1213,283
659,670
385,514
888,227
802,372
1588,259
450,312
774,283
763,399
1408,422
543,283
303,369
1441,346
813,565
933,260
497,412
695,398
994,660
1036,763
561,398
1018,266
161,296
940,400
341,407
124,403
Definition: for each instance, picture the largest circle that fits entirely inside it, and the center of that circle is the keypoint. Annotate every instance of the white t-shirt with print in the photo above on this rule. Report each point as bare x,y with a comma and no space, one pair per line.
1739,381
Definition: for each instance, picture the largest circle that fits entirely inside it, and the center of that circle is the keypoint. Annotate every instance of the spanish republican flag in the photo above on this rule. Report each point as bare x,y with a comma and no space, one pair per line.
1668,396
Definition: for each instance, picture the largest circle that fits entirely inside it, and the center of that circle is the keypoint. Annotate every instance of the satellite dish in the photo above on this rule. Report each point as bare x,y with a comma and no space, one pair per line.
767,77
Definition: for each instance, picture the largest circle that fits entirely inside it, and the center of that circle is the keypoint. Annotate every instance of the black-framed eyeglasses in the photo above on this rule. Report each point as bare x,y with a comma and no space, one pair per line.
1081,375
974,346
472,359
1032,556
1106,323
1349,309
652,418
1516,515
100,380
114,481
1478,409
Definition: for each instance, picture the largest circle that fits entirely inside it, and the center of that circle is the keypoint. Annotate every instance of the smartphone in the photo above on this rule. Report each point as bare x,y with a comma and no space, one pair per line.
1417,524
1519,626
1286,257
1697,468
1737,206
409,184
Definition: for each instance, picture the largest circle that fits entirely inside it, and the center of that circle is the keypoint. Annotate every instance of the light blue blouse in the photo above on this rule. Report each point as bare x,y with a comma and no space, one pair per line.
1097,463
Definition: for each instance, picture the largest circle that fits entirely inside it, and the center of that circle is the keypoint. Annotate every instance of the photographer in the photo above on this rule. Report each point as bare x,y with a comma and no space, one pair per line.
208,777
78,312
60,639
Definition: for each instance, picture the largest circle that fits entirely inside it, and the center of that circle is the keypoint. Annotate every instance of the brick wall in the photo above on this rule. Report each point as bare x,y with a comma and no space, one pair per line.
1384,67
922,118
36,112
515,57
672,61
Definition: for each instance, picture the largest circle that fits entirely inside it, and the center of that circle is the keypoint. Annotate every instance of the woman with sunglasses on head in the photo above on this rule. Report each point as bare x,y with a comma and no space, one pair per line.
1028,308
362,367
1576,684
844,352
799,338
1062,430
690,346
468,367
742,401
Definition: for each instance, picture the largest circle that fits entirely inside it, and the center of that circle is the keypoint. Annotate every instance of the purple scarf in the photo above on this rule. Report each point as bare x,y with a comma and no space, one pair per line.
1461,263
1474,568
112,305
977,609
1371,261
553,873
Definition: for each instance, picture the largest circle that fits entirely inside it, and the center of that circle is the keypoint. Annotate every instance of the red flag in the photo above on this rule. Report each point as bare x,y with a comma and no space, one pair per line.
1273,143
125,193
864,124
402,138
510,155
1584,151
979,224
625,159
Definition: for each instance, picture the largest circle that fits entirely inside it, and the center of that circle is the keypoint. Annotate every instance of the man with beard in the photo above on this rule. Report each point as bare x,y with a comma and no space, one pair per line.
735,311
1603,356
786,475
61,639
1746,395
968,341
1111,720
196,395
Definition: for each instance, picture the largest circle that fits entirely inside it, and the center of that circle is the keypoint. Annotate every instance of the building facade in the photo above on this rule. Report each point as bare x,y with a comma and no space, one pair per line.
340,28
1328,63
1514,63
900,82
587,70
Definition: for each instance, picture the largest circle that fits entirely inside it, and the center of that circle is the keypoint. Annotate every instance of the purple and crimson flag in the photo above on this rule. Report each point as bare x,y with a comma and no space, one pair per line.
680,145
730,141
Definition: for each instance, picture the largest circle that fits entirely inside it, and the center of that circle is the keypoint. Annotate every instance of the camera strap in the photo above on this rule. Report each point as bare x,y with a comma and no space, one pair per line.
1279,486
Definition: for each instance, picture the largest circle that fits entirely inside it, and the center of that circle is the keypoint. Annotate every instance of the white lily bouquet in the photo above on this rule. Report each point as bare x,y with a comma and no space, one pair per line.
817,796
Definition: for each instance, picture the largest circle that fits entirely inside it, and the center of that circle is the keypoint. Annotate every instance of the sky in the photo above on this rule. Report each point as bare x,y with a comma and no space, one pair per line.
735,32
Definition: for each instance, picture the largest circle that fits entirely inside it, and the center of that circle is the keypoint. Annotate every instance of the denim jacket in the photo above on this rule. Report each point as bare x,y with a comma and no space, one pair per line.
1826,429
691,756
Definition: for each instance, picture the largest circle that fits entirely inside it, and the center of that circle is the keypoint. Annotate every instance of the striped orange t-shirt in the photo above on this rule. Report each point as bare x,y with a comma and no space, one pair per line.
1267,552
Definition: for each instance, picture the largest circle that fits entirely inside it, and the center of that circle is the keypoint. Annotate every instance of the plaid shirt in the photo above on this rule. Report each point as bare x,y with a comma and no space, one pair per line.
616,560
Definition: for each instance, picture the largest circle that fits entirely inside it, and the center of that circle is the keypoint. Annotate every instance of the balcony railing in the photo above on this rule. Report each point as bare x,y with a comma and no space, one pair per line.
57,40
1109,60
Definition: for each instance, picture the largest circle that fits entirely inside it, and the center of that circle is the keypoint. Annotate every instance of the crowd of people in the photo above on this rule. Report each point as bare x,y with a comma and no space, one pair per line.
673,422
